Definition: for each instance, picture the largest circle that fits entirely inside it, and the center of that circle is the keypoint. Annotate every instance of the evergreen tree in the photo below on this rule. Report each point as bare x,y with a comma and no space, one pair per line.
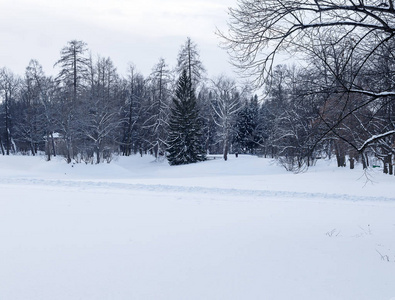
184,142
247,127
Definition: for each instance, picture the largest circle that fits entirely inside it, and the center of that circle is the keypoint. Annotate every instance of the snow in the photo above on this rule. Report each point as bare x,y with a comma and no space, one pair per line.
376,137
241,229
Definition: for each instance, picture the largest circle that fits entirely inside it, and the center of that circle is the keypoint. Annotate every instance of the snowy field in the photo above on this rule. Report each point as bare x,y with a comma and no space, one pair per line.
242,229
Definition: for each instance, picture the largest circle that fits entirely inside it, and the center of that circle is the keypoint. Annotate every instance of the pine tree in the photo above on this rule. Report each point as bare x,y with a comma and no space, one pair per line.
184,141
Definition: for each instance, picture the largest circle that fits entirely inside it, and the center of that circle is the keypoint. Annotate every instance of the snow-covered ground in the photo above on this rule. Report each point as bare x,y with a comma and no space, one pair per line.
241,229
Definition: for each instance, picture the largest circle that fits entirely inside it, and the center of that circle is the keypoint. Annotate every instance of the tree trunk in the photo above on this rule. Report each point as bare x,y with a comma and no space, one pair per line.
388,169
48,148
352,163
128,143
365,162
7,124
69,150
53,145
1,147
340,155
97,155
226,149
156,150
32,148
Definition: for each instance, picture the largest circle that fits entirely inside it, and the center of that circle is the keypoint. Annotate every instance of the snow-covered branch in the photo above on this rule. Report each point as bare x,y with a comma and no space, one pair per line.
375,138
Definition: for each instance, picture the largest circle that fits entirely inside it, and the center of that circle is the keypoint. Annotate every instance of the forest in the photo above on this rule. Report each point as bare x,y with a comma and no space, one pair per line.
88,112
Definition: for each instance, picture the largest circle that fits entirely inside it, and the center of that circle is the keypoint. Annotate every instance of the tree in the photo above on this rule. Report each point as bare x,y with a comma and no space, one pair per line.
9,87
262,30
189,60
73,67
184,138
71,80
133,111
159,107
209,127
248,136
225,103
99,117
31,122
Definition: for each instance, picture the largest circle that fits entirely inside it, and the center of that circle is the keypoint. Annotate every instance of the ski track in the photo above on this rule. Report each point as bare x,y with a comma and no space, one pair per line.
175,189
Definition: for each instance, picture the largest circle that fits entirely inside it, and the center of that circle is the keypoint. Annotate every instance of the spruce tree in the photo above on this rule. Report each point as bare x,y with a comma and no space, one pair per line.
248,135
184,140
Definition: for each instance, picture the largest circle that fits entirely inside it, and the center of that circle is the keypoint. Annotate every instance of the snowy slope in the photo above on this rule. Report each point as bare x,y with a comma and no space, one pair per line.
241,229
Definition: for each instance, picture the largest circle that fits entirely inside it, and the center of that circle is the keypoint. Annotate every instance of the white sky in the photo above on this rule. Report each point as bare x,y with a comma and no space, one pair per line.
127,31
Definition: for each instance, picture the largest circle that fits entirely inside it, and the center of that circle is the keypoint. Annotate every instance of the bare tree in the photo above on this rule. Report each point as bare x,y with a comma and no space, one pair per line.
9,87
159,107
73,67
100,117
71,80
133,111
225,103
189,60
259,31
31,113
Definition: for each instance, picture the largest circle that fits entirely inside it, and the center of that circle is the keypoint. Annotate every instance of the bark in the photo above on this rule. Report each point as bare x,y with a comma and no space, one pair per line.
53,145
7,125
97,155
2,147
48,148
388,168
32,148
352,163
226,150
365,161
340,155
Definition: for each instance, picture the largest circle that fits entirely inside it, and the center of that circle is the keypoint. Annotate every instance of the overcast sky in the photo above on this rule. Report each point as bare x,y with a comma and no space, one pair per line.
127,31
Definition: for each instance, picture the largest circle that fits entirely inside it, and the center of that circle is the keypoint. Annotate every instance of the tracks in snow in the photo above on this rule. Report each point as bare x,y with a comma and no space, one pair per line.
175,189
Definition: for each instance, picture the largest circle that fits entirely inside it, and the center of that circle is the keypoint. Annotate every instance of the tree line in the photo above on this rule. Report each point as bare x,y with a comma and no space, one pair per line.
88,112
338,104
